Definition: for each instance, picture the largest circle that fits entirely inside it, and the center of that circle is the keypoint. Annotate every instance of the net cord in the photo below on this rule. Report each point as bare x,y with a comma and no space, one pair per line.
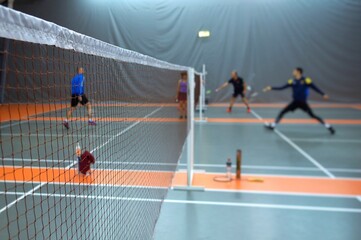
23,27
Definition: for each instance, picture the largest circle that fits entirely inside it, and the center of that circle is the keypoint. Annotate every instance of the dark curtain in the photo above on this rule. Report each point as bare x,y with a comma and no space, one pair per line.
264,39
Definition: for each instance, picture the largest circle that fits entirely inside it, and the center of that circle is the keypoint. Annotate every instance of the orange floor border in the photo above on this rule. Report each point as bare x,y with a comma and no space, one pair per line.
16,112
104,176
305,185
286,184
23,111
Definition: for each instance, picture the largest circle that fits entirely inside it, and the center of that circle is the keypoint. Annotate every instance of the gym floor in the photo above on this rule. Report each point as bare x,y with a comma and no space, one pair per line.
311,185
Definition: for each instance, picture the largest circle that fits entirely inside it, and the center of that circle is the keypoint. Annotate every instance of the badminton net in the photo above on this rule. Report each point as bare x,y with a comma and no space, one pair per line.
134,134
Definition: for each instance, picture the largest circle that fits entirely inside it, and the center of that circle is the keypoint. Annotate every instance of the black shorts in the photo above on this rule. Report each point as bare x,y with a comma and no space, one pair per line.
235,94
75,100
297,104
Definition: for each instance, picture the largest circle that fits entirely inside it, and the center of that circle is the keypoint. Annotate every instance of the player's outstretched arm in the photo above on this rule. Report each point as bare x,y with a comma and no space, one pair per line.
287,85
222,86
244,87
269,88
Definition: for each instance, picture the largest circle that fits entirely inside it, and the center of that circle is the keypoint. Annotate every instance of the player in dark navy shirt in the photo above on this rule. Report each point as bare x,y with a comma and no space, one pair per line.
78,96
239,87
301,88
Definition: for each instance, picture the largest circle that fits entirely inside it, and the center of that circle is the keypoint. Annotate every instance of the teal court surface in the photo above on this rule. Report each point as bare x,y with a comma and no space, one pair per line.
317,206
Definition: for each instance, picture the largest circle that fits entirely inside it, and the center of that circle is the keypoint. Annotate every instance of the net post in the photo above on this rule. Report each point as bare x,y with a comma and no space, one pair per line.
190,138
201,105
201,97
190,142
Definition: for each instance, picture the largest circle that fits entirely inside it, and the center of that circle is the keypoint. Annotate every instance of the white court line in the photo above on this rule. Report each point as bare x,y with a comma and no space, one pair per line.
328,173
256,115
306,155
87,197
282,176
270,206
325,140
273,175
72,184
184,170
23,195
281,193
211,203
12,124
260,167
345,170
300,150
126,130
75,162
31,191
313,169
281,168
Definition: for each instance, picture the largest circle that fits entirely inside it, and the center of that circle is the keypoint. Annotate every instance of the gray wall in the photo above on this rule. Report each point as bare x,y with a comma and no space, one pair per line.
262,39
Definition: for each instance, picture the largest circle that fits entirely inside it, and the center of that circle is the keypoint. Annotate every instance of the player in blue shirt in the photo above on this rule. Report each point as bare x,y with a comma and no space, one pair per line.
301,87
78,96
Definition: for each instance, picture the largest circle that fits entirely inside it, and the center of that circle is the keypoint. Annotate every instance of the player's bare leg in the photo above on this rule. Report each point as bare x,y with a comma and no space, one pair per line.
245,101
69,113
185,109
233,99
180,109
89,109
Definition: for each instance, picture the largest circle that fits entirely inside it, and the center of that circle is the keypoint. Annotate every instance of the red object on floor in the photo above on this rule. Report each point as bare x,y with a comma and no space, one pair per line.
66,125
229,110
86,159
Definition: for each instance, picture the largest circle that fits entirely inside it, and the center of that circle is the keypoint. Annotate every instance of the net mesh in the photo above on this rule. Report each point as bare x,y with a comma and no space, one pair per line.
136,143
